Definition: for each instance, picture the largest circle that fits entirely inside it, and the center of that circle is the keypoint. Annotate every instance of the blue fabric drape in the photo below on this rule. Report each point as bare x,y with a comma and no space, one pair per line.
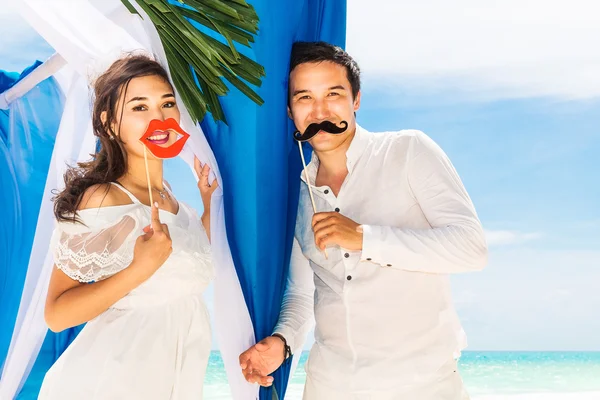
13,266
260,164
27,134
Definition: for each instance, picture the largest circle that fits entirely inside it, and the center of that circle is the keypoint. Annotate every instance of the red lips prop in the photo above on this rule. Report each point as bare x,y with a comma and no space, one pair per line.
157,126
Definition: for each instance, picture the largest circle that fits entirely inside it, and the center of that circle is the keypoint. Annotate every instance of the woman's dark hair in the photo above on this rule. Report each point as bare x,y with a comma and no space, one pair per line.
109,163
316,52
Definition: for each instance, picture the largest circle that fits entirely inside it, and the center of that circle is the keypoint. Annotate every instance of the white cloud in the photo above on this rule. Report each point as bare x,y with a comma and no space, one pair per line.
509,48
504,237
529,299
7,9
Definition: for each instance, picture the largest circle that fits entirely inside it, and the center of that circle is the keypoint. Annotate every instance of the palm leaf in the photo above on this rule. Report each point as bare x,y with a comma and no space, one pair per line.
235,33
200,64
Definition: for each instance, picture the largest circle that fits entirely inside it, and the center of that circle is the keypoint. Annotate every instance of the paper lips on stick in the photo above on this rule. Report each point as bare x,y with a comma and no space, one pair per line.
159,133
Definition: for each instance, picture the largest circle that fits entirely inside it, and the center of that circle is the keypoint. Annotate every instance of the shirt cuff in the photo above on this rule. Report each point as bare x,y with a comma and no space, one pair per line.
288,334
372,246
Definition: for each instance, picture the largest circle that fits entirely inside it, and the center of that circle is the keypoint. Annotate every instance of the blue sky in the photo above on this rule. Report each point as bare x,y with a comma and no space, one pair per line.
530,168
513,100
514,103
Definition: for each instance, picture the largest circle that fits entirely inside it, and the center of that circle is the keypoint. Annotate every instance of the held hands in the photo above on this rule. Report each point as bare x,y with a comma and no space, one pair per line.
332,228
206,189
153,247
261,360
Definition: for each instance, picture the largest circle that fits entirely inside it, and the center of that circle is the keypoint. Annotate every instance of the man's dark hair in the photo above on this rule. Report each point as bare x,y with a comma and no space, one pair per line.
316,52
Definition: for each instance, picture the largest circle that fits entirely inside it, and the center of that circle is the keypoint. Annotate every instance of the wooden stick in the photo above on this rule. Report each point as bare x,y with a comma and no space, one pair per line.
312,199
148,177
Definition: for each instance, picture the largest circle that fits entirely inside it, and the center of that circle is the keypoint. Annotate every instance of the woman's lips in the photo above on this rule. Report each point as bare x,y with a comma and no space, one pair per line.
159,137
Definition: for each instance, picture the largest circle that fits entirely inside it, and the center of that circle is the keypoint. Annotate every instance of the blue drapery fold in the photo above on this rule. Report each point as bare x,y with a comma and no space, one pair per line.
260,164
27,133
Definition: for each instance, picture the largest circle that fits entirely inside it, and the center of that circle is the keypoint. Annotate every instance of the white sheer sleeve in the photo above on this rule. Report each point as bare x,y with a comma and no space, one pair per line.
92,255
197,229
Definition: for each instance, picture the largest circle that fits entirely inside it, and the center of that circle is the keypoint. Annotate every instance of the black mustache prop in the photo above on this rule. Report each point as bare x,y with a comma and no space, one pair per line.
314,128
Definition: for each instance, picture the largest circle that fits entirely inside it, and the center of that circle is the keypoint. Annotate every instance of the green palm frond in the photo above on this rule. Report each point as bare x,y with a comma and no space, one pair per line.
194,56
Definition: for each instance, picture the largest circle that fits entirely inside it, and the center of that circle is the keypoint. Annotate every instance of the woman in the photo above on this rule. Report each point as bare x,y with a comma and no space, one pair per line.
134,272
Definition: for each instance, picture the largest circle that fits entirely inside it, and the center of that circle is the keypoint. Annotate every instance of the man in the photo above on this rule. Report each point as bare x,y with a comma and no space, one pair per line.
393,221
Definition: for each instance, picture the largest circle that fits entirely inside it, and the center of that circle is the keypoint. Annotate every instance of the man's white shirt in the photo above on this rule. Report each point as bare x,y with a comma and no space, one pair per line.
384,315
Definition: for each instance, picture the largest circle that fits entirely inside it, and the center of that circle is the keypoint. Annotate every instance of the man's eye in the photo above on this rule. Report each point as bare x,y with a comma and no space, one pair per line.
334,94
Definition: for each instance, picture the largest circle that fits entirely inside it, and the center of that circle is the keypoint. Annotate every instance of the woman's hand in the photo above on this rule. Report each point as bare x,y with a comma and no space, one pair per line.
153,247
206,191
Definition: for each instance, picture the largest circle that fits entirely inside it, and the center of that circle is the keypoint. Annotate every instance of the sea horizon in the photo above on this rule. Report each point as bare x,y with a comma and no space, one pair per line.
488,375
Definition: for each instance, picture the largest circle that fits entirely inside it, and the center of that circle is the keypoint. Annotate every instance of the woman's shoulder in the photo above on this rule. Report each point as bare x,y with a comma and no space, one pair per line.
103,195
101,205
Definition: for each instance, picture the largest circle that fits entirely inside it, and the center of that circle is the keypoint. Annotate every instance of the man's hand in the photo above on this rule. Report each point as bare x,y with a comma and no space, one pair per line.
261,360
333,228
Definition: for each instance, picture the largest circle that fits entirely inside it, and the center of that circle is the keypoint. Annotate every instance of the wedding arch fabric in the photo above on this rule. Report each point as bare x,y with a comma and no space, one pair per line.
27,132
89,36
260,162
254,157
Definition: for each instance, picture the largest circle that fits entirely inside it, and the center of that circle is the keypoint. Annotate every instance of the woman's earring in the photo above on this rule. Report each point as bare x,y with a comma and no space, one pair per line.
112,137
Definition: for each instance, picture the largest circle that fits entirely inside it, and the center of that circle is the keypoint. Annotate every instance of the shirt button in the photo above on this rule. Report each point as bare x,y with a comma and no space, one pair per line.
349,277
326,191
369,259
346,255
337,209
389,265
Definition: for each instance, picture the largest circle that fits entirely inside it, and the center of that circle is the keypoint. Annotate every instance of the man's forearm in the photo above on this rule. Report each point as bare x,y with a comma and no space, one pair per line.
296,318
444,250
297,308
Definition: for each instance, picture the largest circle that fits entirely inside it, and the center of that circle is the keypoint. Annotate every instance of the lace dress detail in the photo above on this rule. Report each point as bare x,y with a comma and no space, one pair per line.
89,256
152,344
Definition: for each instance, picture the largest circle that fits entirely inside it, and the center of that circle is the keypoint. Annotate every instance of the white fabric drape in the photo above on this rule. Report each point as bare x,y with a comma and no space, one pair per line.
50,66
89,36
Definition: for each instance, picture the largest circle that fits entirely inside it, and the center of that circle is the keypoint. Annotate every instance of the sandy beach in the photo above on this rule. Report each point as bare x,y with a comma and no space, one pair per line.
541,396
297,395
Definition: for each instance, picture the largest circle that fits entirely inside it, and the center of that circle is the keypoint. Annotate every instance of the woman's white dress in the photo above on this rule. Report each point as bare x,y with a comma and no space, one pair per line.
155,342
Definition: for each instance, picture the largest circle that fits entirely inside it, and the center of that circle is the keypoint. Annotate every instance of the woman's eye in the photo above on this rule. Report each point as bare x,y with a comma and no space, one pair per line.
170,104
139,108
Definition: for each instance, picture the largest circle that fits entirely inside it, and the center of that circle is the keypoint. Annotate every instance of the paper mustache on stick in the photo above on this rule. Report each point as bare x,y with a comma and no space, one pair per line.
159,132
311,131
314,128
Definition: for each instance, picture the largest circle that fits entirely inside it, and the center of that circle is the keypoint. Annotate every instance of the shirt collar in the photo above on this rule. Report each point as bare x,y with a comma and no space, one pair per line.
357,147
353,154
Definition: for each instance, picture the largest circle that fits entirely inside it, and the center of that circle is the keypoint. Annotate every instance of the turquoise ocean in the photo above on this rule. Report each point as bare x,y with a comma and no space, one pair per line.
497,375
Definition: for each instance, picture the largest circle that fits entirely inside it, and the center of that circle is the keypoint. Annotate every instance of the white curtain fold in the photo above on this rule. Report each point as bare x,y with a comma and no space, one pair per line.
88,36
44,71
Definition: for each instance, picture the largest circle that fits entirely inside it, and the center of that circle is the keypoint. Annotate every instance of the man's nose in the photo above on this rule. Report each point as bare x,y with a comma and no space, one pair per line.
320,110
